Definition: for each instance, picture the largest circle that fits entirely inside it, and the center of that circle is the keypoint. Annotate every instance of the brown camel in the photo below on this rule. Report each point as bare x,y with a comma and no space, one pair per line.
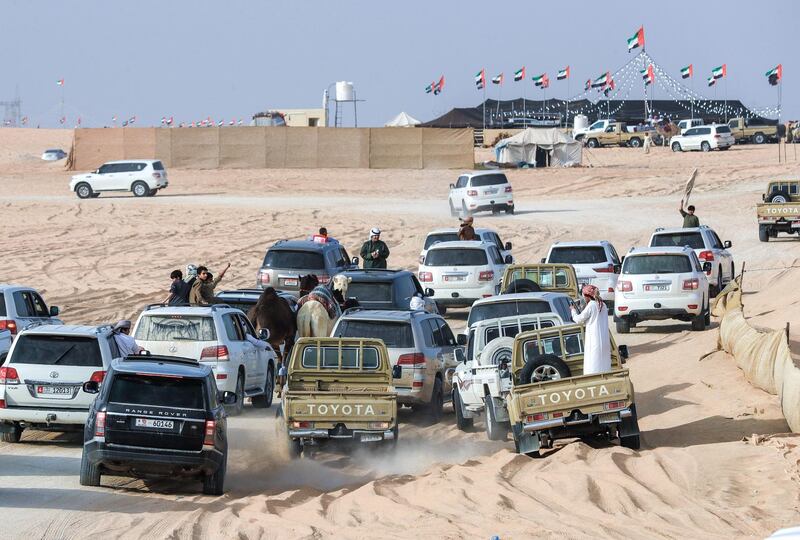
275,314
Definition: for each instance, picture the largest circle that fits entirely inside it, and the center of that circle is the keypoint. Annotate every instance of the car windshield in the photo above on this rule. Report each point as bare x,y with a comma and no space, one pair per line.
156,391
723,129
57,351
175,328
239,303
488,180
294,259
440,237
493,310
578,255
692,239
657,264
397,335
351,358
53,151
456,257
370,292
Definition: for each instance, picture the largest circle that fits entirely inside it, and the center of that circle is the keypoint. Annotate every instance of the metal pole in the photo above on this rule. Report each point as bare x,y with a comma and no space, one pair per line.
355,108
726,98
566,105
484,104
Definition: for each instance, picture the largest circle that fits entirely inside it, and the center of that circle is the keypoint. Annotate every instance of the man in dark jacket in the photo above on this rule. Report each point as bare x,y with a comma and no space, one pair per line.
178,290
466,231
374,251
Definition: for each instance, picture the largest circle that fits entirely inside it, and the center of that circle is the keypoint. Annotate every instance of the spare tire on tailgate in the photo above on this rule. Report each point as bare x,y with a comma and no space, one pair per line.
522,286
544,367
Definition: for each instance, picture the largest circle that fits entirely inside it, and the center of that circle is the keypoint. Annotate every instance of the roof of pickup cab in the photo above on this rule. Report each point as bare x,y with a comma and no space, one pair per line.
132,161
68,330
374,274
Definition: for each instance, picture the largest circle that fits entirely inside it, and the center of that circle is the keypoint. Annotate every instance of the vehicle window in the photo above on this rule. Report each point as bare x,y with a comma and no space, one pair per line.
436,335
396,335
104,169
406,288
462,181
448,339
38,305
176,328
690,132
139,166
440,237
494,310
551,345
22,305
723,129
562,308
159,391
573,344
112,344
577,255
715,241
351,358
3,312
470,343
489,180
696,262
245,326
371,292
596,125
456,257
344,258
496,257
656,264
498,242
293,259
692,239
414,280
704,131
238,303
57,351
427,333
158,166
232,329
614,256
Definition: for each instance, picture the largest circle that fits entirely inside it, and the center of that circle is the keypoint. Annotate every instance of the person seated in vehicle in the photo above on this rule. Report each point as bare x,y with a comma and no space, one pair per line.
596,341
322,237
202,292
466,231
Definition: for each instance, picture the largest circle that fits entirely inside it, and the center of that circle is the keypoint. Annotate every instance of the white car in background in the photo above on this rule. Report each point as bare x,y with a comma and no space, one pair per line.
54,154
142,177
461,272
705,138
481,190
688,123
595,263
489,236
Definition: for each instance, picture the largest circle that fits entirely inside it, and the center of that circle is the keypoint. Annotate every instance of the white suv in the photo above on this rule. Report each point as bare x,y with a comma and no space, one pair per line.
215,335
41,381
708,248
483,190
595,263
705,138
142,177
662,283
463,271
451,235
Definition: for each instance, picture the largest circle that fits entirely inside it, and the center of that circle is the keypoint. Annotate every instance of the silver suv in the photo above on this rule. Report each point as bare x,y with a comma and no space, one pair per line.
421,343
287,260
23,306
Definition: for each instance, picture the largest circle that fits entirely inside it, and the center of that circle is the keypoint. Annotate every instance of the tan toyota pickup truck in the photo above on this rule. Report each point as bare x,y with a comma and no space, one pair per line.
339,388
747,131
552,399
544,277
780,211
616,134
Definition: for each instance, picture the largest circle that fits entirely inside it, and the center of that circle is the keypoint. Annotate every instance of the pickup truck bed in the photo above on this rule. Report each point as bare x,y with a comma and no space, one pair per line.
777,217
361,416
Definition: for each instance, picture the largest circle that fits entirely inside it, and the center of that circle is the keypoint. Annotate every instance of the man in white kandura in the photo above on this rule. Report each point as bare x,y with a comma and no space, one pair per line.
596,343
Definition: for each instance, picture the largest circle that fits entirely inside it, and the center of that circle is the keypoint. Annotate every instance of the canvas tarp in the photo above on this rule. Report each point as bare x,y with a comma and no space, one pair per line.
522,147
402,120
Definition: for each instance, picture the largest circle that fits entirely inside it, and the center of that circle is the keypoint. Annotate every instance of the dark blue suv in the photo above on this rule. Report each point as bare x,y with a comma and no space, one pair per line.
157,416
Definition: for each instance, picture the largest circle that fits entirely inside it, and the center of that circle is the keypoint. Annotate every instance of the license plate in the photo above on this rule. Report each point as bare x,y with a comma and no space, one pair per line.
155,423
583,282
656,288
454,278
796,225
291,282
54,390
371,438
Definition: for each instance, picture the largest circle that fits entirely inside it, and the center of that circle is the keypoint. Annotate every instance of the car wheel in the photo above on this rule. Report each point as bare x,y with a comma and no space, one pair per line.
632,422
90,474
435,407
13,435
592,143
140,189
214,483
699,321
623,325
635,142
495,431
83,190
153,192
759,138
676,147
544,367
462,422
763,233
705,147
239,405
780,198
498,351
510,209
295,448
264,401
453,211
522,286
719,283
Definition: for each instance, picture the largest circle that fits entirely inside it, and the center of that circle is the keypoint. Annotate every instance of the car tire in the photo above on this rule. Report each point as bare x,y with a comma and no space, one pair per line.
84,191
763,233
495,431
522,286
90,474
623,325
759,138
699,322
705,147
544,367
238,407
214,483
453,211
264,401
676,147
153,193
632,441
592,143
510,209
441,309
462,422
497,351
436,406
13,435
718,287
295,447
140,189
635,142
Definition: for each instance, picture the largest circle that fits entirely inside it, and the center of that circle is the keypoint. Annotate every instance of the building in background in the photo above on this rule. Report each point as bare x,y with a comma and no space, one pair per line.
290,117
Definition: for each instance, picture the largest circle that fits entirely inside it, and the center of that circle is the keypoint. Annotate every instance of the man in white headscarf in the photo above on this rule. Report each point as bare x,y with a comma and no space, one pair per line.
596,342
125,343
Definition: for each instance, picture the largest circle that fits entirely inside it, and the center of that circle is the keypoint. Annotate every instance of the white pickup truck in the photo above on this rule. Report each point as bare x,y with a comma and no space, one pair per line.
5,344
482,379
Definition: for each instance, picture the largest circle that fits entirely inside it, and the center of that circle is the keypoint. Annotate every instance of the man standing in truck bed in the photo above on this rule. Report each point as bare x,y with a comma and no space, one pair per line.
689,219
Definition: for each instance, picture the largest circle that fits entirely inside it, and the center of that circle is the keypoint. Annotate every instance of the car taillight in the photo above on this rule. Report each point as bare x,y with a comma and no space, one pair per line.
98,376
472,192
488,275
538,417
417,384
211,427
717,136
2,404
378,425
414,359
304,425
622,308
691,284
425,276
263,277
10,325
100,424
605,269
611,405
707,256
218,352
509,189
323,279
8,375
156,175
624,286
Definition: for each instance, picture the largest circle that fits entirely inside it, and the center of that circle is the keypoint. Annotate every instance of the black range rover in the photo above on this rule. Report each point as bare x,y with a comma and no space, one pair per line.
157,416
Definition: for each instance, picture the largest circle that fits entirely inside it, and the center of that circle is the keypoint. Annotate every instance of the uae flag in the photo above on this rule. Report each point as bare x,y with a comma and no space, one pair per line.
439,86
480,79
775,75
610,87
540,80
429,88
637,40
588,84
545,82
498,79
648,75
519,74
602,80
60,82
720,71
712,81
687,71
563,74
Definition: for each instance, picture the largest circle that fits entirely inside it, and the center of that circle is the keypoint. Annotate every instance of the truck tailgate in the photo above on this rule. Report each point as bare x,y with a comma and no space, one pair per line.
335,407
772,212
587,393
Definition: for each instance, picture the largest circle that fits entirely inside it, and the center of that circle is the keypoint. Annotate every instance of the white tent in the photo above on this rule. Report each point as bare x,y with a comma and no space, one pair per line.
562,149
402,120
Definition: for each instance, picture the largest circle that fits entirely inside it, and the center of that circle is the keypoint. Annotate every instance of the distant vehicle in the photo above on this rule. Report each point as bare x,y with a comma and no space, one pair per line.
780,211
479,191
142,177
615,134
156,416
287,260
705,138
597,127
683,125
54,154
548,120
451,235
383,289
596,263
23,306
745,131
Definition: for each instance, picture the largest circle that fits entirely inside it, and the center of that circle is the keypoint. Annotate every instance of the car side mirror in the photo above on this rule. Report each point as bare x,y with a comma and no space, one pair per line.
623,353
509,259
227,398
354,260
707,267
429,292
452,186
91,387
54,311
461,339
263,334
460,356
508,246
397,372
728,244
542,260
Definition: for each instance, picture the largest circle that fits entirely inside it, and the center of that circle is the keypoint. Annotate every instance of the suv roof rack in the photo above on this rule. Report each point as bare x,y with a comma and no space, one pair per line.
659,229
145,356
213,307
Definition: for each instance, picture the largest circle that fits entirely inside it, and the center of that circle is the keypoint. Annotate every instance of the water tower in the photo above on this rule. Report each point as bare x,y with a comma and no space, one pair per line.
344,93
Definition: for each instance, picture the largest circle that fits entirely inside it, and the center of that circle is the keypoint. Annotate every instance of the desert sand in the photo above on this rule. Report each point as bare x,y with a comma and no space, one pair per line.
716,461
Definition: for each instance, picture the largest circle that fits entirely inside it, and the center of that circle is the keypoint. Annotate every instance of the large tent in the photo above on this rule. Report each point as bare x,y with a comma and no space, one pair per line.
541,147
402,120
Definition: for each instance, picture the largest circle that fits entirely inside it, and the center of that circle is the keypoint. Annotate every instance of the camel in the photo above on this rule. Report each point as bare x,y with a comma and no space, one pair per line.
318,311
275,314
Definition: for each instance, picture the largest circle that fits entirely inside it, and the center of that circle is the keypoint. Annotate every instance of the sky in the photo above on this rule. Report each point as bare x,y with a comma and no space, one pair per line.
228,60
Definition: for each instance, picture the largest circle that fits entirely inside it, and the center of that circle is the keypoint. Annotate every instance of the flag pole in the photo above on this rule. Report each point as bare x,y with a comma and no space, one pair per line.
484,102
566,104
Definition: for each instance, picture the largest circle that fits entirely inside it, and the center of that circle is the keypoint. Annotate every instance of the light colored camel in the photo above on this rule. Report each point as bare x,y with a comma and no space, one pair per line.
312,317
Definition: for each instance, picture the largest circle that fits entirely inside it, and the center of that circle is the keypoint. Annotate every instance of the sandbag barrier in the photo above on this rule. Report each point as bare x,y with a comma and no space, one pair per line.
763,355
